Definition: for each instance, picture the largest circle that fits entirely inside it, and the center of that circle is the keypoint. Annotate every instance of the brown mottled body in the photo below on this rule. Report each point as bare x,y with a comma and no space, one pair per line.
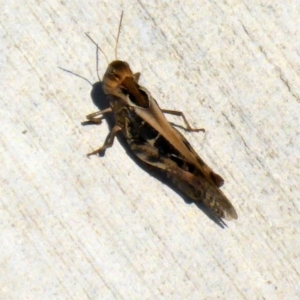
157,143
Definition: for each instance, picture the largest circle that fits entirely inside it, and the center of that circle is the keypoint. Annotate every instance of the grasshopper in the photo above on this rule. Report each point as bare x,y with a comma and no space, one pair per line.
155,141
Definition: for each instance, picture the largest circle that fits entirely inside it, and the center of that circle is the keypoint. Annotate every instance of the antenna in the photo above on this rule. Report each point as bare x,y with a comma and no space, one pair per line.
76,75
98,48
117,40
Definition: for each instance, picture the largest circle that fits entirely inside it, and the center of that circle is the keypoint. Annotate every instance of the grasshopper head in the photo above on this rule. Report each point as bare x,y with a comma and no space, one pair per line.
115,74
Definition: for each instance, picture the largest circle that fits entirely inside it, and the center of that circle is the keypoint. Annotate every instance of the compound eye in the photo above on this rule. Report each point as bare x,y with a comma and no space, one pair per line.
117,76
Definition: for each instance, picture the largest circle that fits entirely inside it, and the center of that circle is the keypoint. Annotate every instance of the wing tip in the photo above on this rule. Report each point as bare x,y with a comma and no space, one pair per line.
230,214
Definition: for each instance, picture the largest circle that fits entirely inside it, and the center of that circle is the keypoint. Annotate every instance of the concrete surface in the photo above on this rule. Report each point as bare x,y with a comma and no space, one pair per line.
102,228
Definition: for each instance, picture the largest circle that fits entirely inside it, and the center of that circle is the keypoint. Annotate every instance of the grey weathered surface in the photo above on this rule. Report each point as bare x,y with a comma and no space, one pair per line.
102,228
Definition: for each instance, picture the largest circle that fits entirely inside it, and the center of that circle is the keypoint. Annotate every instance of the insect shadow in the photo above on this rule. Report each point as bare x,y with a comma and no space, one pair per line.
102,102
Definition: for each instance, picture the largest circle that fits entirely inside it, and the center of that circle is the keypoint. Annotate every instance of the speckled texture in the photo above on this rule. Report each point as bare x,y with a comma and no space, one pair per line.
102,228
